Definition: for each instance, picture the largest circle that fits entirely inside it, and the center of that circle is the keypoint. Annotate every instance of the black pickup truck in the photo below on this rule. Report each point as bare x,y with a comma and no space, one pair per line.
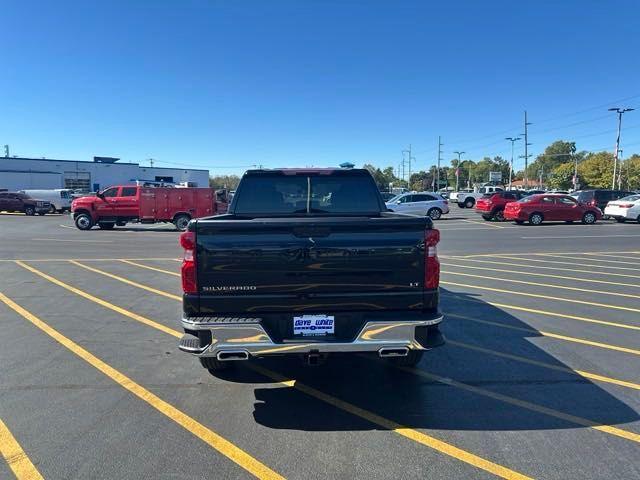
309,262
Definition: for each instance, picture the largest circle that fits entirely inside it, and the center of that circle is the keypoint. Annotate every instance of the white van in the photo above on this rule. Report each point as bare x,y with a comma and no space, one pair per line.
60,198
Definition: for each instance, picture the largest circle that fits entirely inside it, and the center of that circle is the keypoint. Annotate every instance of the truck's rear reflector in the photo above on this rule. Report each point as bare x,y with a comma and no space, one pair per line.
431,262
189,274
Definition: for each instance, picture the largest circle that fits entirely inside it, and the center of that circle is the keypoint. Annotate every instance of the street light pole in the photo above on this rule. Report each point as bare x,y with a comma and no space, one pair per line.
458,169
526,150
619,111
512,140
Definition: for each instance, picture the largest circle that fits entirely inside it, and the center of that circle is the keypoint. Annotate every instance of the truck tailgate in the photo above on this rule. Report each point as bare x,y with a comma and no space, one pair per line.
311,264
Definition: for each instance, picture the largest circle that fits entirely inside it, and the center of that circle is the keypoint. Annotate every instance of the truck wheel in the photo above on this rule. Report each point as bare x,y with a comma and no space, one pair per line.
499,215
28,210
434,213
621,219
589,218
411,360
52,209
486,217
83,222
469,202
535,218
181,222
460,205
213,364
41,213
106,225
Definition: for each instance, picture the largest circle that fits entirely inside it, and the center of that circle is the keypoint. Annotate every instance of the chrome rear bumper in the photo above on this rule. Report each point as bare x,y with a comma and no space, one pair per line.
250,337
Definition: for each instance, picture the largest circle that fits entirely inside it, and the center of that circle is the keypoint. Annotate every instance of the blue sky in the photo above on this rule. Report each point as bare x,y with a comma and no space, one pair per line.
219,84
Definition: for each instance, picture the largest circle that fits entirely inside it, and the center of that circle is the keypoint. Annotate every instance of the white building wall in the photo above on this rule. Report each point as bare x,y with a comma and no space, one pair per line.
99,175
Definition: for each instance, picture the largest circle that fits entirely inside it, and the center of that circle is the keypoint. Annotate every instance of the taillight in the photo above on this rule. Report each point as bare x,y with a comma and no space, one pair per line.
189,277
431,262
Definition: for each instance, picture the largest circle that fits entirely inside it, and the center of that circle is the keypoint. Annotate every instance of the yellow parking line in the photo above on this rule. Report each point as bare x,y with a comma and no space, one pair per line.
591,259
585,422
225,447
419,437
550,366
411,434
582,341
527,405
15,456
547,285
548,275
99,301
493,262
135,264
486,224
590,265
546,297
128,282
82,259
535,253
545,312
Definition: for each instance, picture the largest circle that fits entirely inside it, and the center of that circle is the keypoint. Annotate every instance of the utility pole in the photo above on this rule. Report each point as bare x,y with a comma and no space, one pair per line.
458,170
408,152
6,151
619,111
436,184
526,150
512,140
151,162
620,170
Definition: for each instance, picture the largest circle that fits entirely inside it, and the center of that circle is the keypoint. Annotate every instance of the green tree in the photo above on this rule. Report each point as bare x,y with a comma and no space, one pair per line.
631,172
562,176
558,153
596,170
226,182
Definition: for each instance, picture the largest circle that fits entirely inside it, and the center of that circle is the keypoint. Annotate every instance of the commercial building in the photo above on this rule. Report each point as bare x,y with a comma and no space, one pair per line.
18,173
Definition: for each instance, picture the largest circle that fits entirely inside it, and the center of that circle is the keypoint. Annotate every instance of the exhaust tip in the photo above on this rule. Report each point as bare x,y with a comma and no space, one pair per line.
393,352
232,355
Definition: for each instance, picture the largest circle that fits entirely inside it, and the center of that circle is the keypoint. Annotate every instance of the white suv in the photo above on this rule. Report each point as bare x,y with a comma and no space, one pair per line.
419,203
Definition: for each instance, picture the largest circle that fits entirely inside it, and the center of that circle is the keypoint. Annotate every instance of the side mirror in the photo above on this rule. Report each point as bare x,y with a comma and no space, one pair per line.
398,202
100,195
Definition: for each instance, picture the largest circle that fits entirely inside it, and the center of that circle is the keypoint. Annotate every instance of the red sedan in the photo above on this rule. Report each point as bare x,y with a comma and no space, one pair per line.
550,208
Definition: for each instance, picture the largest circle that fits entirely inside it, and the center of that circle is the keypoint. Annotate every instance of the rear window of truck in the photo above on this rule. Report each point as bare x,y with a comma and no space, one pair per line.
312,193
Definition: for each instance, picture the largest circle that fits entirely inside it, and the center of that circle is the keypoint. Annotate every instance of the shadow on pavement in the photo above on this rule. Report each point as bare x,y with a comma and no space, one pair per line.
417,401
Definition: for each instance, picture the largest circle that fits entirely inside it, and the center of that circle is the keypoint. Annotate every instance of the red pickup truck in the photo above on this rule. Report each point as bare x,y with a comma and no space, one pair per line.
119,205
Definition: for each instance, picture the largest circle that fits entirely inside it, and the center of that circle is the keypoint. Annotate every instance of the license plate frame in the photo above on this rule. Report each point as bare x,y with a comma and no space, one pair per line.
316,325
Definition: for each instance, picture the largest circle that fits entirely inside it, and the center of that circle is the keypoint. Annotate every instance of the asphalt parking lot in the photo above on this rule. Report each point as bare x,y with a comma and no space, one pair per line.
540,377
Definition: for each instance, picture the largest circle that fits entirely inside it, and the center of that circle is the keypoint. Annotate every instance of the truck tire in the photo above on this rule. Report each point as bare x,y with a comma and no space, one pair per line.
469,202
535,218
52,209
621,219
435,213
411,360
83,222
181,221
213,364
29,210
498,215
486,217
460,205
106,225
41,213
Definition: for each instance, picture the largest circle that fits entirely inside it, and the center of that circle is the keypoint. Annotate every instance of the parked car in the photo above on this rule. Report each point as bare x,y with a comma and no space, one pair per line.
469,199
547,207
626,208
419,203
309,262
491,206
121,204
21,202
59,198
599,198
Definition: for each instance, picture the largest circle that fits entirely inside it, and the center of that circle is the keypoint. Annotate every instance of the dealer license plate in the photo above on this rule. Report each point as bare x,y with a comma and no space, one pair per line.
314,325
